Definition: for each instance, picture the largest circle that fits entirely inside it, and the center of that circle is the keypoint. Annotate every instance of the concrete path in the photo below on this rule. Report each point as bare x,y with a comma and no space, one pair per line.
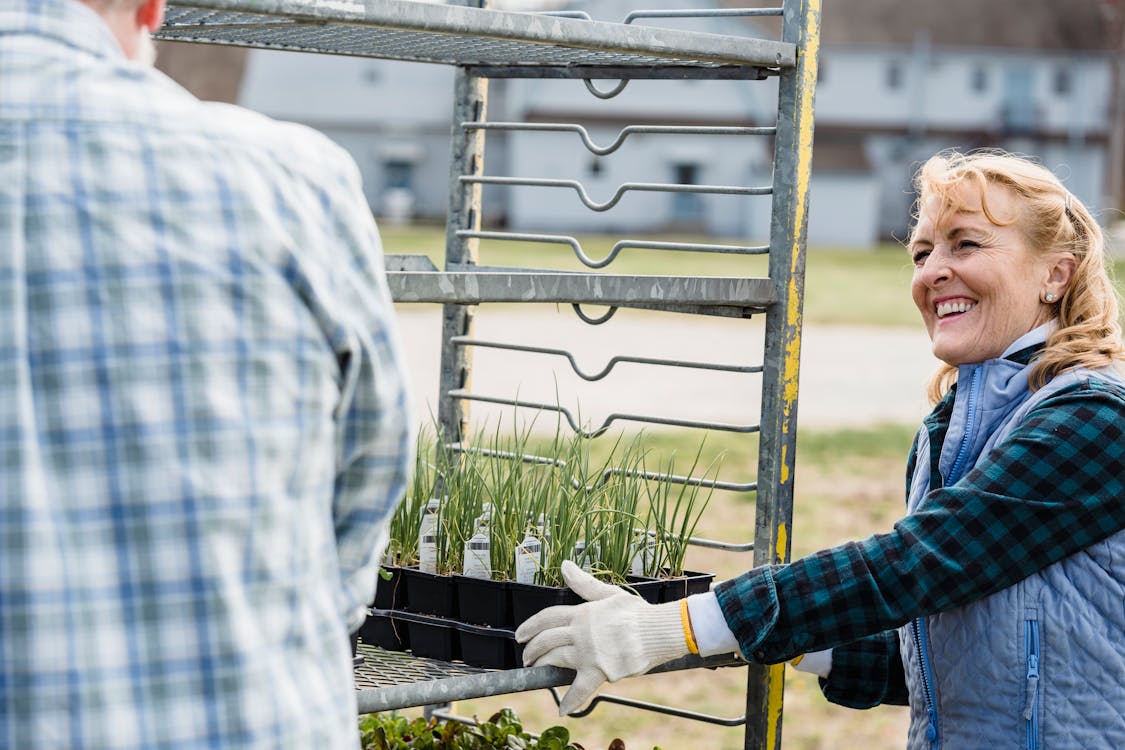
849,375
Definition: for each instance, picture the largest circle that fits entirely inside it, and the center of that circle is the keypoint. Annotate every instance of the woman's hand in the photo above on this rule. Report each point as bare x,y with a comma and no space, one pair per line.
613,635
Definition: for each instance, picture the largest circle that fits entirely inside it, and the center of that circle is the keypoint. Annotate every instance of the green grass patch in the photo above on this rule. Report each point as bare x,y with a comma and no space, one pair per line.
839,446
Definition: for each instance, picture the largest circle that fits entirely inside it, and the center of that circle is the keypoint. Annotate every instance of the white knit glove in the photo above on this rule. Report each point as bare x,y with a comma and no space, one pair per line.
613,635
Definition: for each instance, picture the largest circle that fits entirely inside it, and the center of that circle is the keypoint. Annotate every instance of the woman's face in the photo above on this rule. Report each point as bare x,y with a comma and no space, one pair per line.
978,286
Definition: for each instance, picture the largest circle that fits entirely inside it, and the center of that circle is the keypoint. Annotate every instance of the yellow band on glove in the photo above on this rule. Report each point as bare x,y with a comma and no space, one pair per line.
689,634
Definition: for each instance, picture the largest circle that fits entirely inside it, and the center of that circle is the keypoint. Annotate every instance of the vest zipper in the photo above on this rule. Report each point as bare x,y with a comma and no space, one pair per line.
1031,710
970,427
921,646
921,641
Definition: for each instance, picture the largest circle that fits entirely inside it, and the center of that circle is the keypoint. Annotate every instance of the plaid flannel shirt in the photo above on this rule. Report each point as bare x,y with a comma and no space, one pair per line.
204,422
1055,486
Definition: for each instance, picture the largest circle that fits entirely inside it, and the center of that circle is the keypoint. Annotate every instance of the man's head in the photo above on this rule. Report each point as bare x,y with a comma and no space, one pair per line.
132,22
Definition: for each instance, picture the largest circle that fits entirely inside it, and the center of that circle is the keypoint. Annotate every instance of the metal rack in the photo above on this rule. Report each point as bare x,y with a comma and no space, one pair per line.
487,44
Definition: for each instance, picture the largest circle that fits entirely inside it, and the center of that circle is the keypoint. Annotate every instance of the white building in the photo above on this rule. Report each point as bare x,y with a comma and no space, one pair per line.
900,79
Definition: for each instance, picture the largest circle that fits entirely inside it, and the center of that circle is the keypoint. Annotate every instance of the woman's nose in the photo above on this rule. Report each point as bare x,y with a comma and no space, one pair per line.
936,269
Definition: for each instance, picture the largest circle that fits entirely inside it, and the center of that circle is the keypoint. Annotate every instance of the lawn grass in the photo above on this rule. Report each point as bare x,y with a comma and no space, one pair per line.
855,286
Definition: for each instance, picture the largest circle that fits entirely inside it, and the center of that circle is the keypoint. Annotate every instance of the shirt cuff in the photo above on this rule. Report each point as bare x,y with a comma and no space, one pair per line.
712,635
750,606
816,662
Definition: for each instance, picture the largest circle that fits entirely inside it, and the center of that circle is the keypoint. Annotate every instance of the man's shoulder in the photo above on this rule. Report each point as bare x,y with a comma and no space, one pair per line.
298,146
168,113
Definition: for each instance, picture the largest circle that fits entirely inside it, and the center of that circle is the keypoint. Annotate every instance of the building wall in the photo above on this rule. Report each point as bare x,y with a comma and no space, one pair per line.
843,210
966,89
1051,106
393,117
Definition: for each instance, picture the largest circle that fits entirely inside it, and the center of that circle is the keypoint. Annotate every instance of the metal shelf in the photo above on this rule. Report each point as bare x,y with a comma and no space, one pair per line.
484,44
504,42
471,288
389,680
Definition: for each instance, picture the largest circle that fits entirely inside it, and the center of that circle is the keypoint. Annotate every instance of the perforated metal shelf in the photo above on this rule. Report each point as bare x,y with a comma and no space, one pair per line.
389,680
454,35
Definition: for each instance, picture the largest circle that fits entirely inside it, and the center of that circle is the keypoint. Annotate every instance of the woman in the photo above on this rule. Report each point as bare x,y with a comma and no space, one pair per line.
996,607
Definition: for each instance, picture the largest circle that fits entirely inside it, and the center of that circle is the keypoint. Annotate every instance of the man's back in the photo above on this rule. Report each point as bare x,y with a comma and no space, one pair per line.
203,423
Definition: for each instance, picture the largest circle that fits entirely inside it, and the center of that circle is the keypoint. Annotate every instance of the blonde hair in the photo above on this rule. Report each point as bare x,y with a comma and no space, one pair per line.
1051,220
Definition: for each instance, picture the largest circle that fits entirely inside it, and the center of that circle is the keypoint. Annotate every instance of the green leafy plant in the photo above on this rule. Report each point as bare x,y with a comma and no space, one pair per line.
464,493
583,505
403,546
675,506
503,731
622,488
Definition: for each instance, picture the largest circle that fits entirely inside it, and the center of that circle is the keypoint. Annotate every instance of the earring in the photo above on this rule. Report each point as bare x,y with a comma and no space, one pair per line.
1049,297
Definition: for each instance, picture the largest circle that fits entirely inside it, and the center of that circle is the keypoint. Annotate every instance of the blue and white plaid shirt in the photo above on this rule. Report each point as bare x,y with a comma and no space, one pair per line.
204,422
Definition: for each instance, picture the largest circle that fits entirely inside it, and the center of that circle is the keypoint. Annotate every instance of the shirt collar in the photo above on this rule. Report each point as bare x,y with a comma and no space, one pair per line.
67,21
1031,342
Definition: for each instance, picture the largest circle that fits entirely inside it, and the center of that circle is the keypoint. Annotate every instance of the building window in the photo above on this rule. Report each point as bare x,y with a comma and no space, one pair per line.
687,208
894,75
979,78
1063,81
398,174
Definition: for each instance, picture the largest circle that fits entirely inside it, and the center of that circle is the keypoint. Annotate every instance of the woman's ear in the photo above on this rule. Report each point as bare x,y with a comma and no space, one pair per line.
1059,273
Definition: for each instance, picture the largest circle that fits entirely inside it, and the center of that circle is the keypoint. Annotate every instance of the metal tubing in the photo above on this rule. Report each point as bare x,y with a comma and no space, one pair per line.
616,416
613,362
703,13
576,246
621,190
472,288
466,158
587,72
484,684
623,134
654,707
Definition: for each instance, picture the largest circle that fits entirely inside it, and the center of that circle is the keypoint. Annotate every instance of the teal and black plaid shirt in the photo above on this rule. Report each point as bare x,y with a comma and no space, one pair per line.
204,421
1055,486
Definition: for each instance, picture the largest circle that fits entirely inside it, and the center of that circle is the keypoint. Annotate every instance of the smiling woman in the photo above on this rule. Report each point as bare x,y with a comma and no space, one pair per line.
998,244
977,283
994,607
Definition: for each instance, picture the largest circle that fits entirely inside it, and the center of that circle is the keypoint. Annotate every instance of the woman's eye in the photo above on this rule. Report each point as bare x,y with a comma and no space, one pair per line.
968,244
920,257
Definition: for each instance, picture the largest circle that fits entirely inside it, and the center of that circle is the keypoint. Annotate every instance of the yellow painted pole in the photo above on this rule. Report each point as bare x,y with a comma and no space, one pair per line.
792,176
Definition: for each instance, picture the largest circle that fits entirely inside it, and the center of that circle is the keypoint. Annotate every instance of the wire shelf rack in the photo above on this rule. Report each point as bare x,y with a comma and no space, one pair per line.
455,35
486,44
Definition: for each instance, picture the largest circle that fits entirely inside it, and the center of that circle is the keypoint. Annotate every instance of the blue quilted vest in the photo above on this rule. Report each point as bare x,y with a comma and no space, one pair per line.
1040,664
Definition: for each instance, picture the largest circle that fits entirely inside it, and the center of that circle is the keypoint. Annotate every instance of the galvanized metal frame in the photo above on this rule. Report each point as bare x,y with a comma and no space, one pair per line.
466,157
461,35
484,44
792,173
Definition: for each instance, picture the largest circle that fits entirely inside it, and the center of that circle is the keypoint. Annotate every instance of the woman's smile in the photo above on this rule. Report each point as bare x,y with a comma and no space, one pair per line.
976,282
955,307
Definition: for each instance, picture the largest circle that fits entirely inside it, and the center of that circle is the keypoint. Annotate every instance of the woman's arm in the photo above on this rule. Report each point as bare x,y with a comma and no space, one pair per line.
1052,488
867,673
